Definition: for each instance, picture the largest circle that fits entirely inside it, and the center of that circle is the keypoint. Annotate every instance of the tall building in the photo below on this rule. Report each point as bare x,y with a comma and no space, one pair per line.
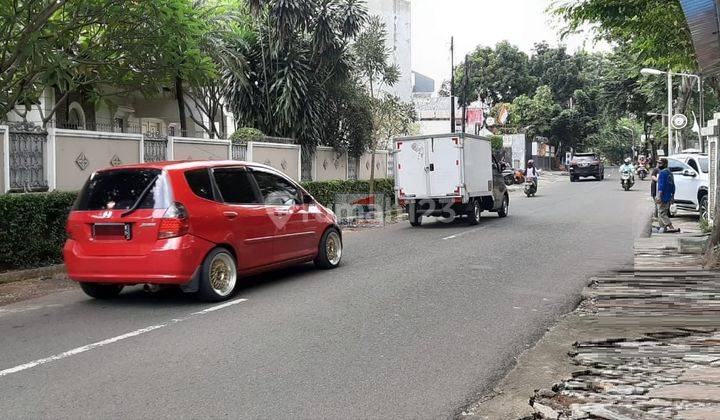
397,17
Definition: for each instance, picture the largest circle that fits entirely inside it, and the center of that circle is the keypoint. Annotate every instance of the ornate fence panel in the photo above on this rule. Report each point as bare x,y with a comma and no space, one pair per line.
239,151
155,148
28,148
353,164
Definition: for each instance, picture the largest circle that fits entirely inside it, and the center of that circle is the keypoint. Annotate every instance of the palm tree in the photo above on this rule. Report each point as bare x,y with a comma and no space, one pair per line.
298,62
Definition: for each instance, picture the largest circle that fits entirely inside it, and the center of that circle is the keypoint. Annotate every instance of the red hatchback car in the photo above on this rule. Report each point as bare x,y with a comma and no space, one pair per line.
198,225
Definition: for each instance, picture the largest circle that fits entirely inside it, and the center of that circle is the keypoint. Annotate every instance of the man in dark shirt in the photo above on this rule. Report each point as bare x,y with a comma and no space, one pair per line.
665,197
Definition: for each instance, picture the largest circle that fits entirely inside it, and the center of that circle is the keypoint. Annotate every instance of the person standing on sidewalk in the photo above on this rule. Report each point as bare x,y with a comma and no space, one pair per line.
665,197
653,187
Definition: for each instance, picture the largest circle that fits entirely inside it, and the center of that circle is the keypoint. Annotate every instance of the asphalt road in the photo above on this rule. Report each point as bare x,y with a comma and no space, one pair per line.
416,323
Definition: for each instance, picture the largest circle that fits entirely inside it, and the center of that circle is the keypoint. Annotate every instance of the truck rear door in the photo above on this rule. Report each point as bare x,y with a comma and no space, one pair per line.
411,168
444,166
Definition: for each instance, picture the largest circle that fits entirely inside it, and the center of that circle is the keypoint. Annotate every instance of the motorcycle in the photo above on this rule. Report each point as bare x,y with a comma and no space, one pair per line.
642,173
626,180
530,188
509,176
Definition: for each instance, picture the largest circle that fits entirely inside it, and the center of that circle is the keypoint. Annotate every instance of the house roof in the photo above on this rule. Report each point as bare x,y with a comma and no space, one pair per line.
702,18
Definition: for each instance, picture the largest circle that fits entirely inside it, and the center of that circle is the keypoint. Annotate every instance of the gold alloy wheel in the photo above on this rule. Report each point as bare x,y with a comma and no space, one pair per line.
333,248
223,274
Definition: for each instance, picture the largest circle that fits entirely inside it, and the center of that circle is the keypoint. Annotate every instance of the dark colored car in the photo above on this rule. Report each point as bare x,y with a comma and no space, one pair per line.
585,165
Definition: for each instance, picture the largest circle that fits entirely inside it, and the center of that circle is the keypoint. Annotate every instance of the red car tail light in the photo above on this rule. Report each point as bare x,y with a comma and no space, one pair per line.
175,222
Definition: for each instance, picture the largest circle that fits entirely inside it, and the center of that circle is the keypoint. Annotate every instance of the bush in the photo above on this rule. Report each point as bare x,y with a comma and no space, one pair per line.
496,143
32,228
325,192
246,134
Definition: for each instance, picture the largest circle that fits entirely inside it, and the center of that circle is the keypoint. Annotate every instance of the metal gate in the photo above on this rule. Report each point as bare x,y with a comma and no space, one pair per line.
353,168
28,148
155,147
239,152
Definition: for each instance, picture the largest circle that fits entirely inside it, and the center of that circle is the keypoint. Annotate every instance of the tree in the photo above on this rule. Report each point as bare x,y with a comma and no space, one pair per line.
445,89
390,117
495,75
297,64
555,68
84,45
655,31
535,114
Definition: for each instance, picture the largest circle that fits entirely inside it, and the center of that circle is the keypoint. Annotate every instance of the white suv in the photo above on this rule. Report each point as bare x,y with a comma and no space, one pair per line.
691,182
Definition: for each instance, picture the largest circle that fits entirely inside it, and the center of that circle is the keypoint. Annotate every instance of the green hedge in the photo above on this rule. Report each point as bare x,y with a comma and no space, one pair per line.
325,192
32,226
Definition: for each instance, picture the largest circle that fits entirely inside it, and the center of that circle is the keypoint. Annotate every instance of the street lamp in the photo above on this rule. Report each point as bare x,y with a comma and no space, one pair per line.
632,136
656,72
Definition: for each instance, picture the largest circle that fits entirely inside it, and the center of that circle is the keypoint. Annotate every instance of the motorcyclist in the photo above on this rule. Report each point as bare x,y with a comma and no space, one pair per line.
531,173
628,167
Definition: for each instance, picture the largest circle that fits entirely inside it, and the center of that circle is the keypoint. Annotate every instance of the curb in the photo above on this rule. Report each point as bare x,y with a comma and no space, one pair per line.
19,275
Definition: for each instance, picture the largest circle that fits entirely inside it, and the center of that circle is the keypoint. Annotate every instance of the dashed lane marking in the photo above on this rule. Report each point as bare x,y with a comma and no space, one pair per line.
88,347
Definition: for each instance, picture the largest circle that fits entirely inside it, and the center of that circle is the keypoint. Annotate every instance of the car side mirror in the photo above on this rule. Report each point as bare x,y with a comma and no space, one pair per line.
688,172
307,199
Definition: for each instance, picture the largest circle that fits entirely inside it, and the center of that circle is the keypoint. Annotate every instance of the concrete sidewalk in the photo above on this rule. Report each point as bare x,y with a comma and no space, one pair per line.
643,344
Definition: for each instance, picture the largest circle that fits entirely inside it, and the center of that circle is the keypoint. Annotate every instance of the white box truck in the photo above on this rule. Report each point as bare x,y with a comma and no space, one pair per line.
449,175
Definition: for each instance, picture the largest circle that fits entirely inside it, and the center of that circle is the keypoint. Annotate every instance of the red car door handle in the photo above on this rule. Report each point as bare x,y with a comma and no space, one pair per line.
230,214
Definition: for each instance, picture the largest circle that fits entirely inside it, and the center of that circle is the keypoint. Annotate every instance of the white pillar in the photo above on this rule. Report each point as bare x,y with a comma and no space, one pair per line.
6,157
170,152
51,160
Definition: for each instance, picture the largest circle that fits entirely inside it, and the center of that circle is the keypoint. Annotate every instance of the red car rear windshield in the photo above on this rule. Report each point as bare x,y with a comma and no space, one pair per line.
121,189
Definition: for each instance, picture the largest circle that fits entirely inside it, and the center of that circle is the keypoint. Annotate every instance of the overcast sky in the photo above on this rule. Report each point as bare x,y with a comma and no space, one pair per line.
474,22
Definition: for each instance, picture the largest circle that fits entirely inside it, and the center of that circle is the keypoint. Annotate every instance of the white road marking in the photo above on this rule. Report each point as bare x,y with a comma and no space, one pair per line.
88,347
460,234
221,306
26,309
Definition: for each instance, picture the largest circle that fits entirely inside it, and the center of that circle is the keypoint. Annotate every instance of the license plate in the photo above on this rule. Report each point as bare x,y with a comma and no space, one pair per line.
112,231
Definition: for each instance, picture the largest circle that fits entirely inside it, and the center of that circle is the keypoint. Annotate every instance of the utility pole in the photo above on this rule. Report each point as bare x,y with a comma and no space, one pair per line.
452,84
465,95
670,113
703,148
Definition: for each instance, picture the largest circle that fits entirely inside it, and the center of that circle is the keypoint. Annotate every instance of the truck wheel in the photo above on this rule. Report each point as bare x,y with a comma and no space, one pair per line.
474,213
505,208
415,219
218,276
101,291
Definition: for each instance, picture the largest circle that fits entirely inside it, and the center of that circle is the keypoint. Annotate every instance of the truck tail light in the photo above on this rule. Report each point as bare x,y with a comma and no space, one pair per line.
174,223
457,190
